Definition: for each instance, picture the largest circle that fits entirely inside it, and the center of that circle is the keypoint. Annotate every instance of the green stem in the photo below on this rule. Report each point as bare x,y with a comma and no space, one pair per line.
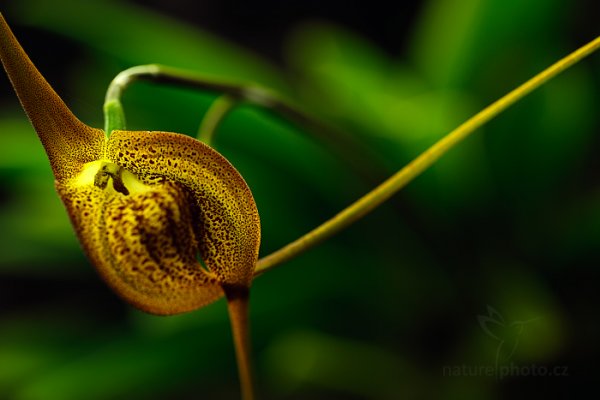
214,116
373,199
113,110
346,147
114,116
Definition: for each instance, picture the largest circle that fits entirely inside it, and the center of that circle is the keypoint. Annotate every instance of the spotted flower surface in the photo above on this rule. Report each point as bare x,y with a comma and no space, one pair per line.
166,220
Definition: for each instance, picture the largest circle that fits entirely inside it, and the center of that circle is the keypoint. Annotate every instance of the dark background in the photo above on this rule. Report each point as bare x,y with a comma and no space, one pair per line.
486,262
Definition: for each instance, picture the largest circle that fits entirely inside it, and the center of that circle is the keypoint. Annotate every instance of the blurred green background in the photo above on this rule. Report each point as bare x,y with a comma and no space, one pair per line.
490,260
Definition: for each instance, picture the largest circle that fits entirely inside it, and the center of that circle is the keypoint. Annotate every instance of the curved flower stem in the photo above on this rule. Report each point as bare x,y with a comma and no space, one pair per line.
219,109
239,91
377,196
345,146
114,117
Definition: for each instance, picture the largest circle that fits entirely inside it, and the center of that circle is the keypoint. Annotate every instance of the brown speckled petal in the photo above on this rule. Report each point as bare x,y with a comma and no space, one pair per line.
143,245
226,220
69,143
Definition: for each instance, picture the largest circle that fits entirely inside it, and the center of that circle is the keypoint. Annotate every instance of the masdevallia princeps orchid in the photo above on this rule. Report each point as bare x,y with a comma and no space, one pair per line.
146,206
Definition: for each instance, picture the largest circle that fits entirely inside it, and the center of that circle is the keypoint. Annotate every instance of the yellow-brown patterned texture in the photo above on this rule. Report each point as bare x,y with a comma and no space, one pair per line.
69,143
143,245
227,218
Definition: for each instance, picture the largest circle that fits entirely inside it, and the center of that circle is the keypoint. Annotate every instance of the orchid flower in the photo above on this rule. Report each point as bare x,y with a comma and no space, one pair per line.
167,221
145,205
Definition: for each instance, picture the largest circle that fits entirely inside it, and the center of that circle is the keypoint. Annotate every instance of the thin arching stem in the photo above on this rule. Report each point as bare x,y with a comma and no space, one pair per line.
344,146
237,304
381,193
217,112
240,91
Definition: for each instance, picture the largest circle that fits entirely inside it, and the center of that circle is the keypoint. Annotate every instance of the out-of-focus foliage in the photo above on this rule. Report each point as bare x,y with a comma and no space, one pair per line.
509,221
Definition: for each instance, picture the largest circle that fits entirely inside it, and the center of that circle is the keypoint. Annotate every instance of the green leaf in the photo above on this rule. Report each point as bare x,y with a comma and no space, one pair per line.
455,41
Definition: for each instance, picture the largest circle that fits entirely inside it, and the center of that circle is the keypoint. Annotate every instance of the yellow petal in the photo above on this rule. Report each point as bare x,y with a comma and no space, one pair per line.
69,143
227,222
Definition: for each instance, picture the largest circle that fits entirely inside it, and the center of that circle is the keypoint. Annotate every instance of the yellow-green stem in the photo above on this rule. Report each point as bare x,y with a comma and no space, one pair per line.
393,184
214,116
